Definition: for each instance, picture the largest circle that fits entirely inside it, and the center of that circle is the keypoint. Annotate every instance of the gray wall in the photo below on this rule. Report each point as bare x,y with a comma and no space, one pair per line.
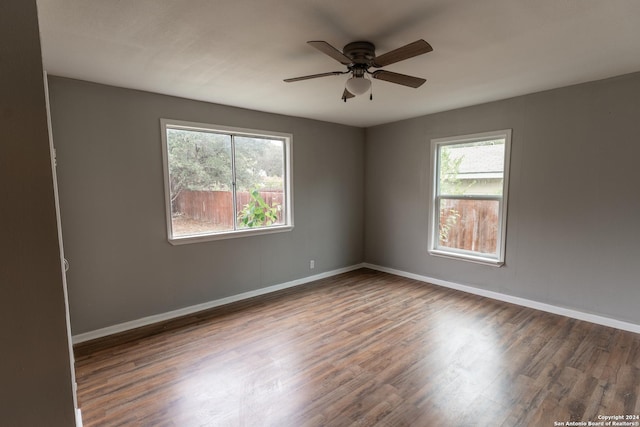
573,206
35,368
113,214
573,236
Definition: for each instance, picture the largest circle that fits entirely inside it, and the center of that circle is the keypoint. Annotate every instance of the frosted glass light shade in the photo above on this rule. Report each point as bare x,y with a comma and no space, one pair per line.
358,85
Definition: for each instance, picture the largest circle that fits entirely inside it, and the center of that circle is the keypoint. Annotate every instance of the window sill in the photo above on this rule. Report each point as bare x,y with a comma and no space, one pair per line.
197,238
465,257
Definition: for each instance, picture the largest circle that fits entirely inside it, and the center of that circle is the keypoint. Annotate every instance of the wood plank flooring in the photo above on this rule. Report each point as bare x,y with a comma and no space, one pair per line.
365,349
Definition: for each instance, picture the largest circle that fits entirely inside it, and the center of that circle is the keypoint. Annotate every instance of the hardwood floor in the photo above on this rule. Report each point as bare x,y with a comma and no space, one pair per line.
364,348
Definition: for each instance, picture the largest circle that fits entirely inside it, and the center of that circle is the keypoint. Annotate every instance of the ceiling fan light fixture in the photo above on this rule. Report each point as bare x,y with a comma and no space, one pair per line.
358,85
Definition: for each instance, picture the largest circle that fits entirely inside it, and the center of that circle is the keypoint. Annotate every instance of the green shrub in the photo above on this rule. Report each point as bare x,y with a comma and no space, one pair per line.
257,213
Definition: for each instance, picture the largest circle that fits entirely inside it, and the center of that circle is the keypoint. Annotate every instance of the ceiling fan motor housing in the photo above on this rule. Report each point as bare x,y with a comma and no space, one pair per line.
361,53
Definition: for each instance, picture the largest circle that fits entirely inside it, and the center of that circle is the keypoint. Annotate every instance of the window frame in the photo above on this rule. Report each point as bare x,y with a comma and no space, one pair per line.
435,197
287,138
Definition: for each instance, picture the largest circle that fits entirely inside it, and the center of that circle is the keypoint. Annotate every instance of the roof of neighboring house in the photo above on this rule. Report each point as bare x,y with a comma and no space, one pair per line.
479,162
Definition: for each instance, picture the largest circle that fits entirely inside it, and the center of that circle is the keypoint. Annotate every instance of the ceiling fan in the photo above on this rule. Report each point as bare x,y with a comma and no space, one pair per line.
360,56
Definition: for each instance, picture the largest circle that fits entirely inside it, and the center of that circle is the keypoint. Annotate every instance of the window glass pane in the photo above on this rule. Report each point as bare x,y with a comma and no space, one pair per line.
470,225
200,180
260,182
471,169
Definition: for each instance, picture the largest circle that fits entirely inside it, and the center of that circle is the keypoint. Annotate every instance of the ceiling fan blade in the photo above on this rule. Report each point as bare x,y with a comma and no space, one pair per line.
401,79
327,49
346,95
315,76
416,48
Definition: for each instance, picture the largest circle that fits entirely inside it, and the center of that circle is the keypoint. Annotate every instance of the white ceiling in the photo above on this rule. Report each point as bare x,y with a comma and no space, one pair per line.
237,52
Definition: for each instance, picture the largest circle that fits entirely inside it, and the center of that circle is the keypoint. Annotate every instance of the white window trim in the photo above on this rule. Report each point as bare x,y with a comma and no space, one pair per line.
434,214
288,182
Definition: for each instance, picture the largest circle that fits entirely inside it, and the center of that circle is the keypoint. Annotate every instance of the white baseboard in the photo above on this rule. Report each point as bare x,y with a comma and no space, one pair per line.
145,321
567,312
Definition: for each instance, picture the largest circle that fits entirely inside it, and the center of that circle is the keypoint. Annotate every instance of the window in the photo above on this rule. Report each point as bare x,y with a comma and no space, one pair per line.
223,182
469,196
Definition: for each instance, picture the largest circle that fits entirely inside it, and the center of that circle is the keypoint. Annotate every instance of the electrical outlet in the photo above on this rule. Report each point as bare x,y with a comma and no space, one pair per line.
312,264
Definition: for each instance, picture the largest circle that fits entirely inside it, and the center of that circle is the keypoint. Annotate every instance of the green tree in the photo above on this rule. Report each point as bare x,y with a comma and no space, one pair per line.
202,161
198,161
450,184
259,163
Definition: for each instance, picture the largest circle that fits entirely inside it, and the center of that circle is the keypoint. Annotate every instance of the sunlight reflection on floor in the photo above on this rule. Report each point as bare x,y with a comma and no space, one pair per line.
467,358
228,395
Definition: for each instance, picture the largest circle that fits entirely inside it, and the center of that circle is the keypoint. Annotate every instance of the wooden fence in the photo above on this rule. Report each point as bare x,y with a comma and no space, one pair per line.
217,206
473,225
